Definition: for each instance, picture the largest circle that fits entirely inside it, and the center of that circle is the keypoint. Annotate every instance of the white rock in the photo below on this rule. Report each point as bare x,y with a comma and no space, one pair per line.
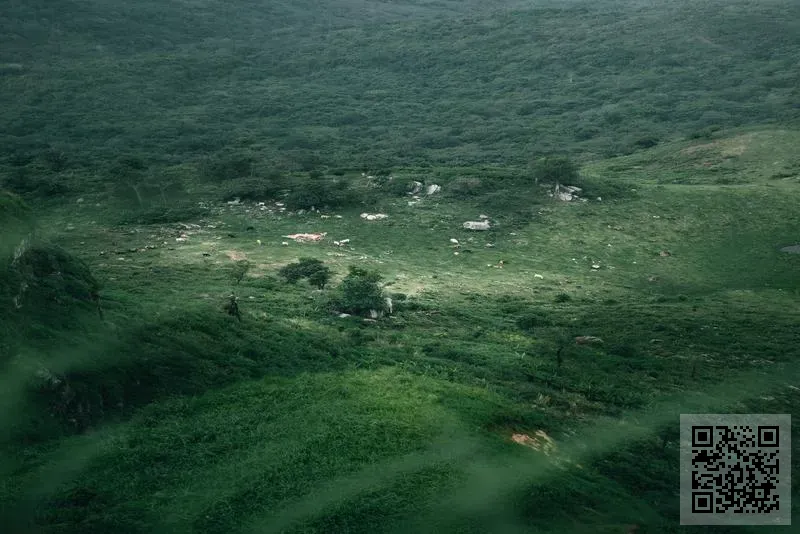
285,243
539,276
454,241
476,225
483,216
433,188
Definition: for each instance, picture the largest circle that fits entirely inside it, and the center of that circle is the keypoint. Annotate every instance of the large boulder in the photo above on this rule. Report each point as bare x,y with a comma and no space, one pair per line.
476,225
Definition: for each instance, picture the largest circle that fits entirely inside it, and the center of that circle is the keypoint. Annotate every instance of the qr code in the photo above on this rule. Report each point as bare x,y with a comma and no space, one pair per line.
735,469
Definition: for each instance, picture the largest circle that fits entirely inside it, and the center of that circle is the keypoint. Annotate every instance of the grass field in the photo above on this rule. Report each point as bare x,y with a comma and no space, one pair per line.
132,402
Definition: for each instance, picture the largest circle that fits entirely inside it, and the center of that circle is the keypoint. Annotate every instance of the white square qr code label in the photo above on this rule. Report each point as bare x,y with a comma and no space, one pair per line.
735,469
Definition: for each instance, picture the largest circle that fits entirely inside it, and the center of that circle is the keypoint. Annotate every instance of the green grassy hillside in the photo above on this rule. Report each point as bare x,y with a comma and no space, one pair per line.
165,151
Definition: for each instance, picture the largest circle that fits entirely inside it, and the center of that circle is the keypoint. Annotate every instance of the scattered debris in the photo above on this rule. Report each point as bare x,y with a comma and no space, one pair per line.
341,243
373,216
540,442
476,225
566,193
306,237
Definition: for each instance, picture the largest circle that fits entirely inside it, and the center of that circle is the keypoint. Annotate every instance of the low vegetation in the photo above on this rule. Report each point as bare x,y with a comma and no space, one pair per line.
171,361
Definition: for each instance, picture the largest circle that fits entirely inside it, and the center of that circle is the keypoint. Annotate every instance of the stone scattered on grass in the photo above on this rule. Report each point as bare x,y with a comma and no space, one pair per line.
476,225
373,216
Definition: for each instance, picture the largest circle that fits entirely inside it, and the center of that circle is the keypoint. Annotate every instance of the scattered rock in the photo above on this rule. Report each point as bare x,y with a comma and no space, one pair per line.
433,188
483,217
285,243
343,315
373,216
235,202
416,188
664,253
476,225
566,193
539,276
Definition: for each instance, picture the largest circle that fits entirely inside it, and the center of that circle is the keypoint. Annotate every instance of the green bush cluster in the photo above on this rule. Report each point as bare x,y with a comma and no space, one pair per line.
312,269
320,193
360,292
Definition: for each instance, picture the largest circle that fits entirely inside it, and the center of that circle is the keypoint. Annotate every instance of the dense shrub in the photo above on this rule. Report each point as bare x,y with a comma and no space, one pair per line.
320,193
360,292
254,188
555,169
317,273
466,187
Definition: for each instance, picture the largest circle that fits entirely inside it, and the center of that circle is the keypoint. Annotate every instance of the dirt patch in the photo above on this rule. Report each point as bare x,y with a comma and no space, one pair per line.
726,148
236,255
540,441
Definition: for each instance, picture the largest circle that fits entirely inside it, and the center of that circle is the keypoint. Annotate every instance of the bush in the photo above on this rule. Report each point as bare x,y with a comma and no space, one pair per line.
361,292
466,187
312,269
533,320
254,188
556,169
320,194
563,297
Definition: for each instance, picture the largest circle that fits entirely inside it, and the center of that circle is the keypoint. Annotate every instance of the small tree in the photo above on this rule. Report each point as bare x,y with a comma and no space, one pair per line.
361,292
555,169
240,269
305,268
320,278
